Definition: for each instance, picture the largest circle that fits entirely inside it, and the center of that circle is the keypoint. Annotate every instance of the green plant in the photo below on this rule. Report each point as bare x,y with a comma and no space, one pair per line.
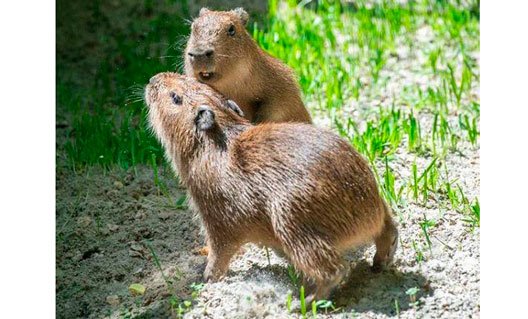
388,187
473,215
412,127
303,301
419,252
425,225
322,304
426,183
294,276
412,292
470,126
397,307
289,302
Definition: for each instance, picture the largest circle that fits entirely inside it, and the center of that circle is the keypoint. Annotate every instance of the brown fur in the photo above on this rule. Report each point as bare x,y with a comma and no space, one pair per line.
290,186
264,87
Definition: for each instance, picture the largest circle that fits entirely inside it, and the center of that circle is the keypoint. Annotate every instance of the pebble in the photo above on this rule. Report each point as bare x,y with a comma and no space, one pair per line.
165,215
436,265
140,215
113,300
84,221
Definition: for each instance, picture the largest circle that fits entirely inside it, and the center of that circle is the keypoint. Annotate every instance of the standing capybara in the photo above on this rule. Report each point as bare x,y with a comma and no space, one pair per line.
221,53
290,186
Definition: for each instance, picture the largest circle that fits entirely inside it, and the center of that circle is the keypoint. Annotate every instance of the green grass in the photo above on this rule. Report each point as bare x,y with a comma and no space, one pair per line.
346,57
303,301
105,112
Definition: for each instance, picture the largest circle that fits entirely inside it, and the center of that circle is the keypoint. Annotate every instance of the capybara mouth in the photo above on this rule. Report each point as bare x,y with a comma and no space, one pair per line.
206,76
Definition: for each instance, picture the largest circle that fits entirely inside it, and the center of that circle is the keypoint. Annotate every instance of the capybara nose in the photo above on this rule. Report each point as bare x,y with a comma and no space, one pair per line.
208,53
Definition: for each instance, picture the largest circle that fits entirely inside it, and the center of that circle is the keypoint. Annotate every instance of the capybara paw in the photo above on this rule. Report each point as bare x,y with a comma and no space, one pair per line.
208,275
378,267
319,292
379,264
212,274
308,300
324,294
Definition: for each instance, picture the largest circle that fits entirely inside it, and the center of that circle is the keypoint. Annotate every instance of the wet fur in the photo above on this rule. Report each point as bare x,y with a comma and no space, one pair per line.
290,186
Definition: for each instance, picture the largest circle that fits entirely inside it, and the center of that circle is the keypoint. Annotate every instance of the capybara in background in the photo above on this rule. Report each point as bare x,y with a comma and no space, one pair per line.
221,53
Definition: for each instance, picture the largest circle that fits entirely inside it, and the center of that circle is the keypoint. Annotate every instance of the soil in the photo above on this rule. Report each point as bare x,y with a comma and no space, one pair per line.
107,220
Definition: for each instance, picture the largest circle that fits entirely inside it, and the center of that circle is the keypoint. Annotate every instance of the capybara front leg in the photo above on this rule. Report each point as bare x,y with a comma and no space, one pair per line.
386,245
218,260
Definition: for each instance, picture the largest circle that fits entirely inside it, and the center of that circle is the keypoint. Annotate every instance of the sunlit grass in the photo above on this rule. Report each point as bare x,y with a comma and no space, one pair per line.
345,56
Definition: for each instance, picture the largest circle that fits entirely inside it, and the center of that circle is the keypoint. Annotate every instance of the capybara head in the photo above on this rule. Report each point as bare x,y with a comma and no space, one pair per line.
183,111
218,46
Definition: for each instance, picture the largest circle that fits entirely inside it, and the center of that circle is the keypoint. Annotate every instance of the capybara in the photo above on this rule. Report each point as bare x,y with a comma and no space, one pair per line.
221,53
301,190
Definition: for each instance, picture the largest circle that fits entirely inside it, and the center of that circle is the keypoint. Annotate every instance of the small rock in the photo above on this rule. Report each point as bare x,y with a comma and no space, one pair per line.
84,221
92,252
77,257
113,300
140,215
164,215
142,233
113,228
436,265
137,250
136,247
133,253
118,185
112,193
202,251
137,289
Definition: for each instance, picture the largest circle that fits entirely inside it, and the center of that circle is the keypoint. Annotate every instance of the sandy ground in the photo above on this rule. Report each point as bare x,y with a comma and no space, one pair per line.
105,221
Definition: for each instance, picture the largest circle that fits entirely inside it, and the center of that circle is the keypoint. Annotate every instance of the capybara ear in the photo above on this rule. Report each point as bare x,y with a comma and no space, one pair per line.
242,14
203,11
230,104
205,118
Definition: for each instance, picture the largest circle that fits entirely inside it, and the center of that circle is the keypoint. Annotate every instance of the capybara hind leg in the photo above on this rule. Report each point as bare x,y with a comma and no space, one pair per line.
386,245
218,260
320,264
323,288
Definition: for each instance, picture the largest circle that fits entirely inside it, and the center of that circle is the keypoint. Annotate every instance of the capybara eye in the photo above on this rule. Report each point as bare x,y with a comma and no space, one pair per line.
231,30
176,99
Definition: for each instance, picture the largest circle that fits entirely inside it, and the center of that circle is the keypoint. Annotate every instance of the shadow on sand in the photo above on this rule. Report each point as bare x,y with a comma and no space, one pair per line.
363,291
384,292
